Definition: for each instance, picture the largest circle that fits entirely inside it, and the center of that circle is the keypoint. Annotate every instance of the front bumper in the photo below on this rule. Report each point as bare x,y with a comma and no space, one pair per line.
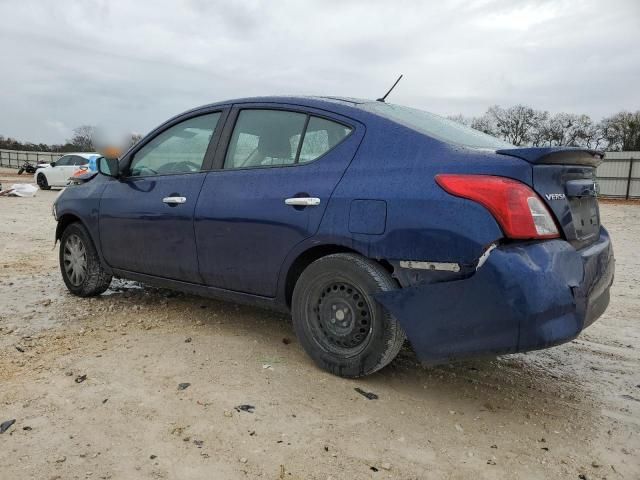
525,297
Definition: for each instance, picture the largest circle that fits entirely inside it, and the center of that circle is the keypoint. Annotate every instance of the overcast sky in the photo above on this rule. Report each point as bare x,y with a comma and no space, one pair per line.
134,63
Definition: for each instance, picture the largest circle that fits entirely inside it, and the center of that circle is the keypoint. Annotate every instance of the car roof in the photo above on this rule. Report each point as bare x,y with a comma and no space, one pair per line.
335,104
88,156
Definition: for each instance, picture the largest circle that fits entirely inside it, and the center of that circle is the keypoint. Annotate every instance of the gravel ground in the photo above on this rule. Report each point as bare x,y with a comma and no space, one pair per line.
94,386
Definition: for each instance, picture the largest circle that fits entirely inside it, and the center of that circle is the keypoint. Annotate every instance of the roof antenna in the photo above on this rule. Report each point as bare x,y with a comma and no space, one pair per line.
382,99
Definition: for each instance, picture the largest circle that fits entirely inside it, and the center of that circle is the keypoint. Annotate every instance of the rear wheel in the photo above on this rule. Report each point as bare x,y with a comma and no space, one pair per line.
41,180
80,265
337,320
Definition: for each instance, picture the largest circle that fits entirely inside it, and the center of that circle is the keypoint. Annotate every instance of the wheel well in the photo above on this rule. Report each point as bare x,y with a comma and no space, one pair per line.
308,257
64,222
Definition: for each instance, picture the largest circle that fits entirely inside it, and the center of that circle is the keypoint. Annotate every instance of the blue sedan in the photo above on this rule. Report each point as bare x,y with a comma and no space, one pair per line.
371,223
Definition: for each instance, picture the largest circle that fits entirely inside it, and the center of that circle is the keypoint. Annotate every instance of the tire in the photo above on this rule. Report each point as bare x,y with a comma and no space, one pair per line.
80,265
20,171
41,180
337,320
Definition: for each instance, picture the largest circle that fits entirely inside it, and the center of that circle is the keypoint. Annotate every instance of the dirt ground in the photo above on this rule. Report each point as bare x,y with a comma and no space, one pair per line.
569,412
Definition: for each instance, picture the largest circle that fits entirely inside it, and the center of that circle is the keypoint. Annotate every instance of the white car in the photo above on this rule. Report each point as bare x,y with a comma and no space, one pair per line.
56,174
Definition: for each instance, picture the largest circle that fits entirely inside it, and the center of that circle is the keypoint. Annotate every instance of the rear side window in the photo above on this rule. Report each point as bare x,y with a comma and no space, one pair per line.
179,149
64,161
77,160
320,137
263,138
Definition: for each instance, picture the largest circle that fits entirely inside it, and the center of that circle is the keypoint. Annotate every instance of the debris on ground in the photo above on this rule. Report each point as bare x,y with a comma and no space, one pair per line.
245,408
367,395
183,386
4,426
19,190
80,378
286,341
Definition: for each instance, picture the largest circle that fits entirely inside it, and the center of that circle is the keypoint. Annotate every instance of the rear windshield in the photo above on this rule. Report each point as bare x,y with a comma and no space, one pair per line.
435,126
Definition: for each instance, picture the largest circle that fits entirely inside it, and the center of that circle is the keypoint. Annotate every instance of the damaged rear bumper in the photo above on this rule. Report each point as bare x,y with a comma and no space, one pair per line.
525,297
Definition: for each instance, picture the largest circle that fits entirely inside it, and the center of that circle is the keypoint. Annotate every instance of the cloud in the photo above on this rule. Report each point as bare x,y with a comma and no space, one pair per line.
134,64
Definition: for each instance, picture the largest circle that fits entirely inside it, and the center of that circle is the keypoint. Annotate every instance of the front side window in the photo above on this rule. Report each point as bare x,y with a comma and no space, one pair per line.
263,138
179,149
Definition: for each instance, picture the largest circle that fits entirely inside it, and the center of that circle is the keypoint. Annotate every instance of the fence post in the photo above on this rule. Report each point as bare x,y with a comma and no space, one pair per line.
629,178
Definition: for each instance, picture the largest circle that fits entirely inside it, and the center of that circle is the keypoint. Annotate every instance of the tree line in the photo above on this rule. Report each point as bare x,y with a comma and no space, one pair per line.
81,141
524,126
519,125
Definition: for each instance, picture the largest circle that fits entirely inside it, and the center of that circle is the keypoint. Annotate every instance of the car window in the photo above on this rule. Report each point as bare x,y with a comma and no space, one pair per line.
320,137
435,126
179,149
64,161
265,138
78,160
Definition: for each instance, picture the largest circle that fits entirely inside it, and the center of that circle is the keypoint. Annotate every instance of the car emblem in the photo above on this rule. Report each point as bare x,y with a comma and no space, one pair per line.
555,196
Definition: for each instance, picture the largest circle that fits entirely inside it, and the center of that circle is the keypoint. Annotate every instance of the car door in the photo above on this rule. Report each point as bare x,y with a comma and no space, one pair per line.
58,175
146,215
275,174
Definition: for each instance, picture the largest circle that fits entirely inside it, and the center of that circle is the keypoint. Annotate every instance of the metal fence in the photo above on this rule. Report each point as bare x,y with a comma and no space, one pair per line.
15,158
619,175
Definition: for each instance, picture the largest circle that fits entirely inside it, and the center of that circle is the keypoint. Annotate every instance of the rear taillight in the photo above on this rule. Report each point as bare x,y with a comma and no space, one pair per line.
518,209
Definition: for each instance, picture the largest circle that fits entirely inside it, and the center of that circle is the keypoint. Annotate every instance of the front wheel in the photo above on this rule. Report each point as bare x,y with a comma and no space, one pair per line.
337,320
80,265
41,180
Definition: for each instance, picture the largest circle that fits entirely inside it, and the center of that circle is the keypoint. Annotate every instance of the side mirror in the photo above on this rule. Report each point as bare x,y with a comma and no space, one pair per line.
53,164
108,166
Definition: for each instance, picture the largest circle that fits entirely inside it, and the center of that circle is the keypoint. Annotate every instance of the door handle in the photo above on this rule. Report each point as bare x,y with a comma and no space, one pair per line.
174,200
302,201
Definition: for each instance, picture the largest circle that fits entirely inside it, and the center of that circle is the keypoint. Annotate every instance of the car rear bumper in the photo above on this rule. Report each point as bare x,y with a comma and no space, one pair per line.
524,297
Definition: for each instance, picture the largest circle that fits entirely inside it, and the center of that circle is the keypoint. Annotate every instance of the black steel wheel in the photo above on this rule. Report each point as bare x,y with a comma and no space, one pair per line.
340,319
337,320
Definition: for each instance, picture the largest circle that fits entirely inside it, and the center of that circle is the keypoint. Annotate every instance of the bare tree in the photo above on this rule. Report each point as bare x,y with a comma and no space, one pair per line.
135,138
519,125
622,131
83,137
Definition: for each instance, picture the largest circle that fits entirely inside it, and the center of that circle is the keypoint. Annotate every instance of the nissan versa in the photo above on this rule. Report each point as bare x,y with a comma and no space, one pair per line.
368,221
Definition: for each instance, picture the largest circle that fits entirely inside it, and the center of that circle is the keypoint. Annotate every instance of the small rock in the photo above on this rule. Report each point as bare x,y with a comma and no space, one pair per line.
243,460
287,341
61,459
245,408
367,395
459,427
27,428
491,462
187,340
228,413
373,469
494,446
4,426
183,386
153,457
595,464
80,378
386,466
198,443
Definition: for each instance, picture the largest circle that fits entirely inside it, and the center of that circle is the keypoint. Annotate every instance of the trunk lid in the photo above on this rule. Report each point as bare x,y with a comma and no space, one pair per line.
565,180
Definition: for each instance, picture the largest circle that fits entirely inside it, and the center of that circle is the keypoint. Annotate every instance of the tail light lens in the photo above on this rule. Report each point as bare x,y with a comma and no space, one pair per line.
518,209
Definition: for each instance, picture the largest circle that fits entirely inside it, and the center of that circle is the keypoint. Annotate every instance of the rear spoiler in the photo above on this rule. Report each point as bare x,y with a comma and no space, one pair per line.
556,155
